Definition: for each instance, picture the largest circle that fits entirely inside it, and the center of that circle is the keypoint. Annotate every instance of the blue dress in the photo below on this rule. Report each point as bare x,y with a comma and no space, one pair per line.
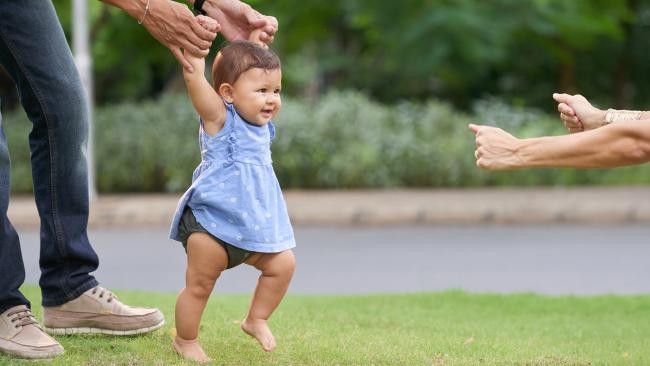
235,194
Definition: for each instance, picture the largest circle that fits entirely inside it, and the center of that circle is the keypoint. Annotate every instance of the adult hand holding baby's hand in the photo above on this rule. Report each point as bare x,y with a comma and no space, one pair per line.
208,23
256,37
238,20
174,25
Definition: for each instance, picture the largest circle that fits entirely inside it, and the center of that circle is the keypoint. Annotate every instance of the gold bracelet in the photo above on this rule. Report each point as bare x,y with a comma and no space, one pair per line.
613,115
146,9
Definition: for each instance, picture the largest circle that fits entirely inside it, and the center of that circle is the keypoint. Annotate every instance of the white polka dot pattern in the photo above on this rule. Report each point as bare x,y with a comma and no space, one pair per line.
235,194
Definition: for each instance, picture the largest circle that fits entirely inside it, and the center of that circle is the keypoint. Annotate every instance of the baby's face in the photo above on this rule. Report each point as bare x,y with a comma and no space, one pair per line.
256,95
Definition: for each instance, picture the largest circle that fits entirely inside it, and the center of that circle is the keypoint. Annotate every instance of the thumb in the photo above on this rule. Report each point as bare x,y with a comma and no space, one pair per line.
255,19
561,97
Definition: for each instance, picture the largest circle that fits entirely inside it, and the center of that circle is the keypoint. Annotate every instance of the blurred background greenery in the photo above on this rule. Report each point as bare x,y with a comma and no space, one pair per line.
377,93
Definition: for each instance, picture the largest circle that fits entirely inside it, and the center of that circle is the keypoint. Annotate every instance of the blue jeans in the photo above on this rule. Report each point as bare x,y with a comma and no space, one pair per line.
34,51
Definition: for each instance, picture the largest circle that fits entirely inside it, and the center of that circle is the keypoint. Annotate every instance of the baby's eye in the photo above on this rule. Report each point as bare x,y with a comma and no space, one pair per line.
263,90
277,91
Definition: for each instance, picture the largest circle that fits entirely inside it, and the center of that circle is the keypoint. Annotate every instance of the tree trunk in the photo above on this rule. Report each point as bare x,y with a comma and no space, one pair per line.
623,93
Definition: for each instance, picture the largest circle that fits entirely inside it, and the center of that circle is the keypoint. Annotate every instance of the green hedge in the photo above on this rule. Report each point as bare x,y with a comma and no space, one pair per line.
342,141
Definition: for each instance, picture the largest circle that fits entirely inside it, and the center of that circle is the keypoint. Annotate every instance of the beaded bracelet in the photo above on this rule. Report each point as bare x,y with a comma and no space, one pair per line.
613,115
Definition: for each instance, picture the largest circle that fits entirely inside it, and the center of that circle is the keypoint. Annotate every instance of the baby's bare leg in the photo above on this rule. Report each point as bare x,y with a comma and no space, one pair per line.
277,270
206,259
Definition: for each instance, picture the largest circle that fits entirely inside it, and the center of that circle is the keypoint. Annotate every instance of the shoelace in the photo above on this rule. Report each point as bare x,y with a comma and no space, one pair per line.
22,317
102,291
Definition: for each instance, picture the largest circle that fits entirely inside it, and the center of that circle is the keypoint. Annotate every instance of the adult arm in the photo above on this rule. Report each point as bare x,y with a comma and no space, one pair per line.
238,20
172,24
619,144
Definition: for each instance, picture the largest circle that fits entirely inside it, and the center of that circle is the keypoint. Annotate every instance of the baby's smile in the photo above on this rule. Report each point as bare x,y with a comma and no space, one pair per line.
267,113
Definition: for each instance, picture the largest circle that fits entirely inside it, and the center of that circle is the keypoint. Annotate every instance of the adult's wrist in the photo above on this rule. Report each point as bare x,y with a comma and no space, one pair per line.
600,117
523,152
208,6
199,6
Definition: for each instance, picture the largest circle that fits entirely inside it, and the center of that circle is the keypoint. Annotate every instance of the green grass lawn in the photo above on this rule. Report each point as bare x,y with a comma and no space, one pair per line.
448,328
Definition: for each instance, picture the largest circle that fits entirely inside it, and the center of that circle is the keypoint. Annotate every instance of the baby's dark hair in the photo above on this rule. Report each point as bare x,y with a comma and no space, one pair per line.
238,57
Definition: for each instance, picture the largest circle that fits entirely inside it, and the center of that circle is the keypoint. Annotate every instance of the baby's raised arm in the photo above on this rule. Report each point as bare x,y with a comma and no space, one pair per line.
205,99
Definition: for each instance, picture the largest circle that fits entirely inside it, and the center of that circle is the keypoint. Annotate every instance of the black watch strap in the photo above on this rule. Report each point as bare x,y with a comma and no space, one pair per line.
198,6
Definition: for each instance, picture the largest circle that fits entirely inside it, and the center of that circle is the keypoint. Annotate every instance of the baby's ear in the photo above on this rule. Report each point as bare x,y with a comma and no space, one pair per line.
225,90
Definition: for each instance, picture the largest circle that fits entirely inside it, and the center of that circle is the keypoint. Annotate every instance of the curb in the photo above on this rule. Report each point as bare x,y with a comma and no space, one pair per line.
620,205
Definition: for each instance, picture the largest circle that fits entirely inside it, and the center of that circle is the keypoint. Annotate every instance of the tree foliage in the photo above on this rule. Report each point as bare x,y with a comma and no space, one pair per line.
458,50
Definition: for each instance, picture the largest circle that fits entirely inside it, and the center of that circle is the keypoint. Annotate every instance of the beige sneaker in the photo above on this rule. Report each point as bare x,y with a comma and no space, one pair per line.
21,336
99,311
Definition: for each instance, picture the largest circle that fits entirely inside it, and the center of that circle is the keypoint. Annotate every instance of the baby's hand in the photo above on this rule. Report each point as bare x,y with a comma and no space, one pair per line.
255,38
208,23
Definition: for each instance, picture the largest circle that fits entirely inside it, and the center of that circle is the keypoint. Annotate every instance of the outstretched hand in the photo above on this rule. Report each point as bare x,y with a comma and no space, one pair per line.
577,113
495,148
238,20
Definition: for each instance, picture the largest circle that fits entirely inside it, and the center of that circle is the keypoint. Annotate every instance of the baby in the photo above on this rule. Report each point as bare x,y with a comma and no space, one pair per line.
234,211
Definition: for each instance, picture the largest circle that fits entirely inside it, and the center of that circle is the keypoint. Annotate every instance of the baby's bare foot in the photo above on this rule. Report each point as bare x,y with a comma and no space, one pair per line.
260,331
190,349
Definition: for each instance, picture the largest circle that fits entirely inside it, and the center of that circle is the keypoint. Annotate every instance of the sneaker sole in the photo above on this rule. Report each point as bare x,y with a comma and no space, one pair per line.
89,330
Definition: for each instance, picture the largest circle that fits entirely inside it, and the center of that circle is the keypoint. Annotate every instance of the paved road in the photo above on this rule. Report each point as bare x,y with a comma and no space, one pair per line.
543,259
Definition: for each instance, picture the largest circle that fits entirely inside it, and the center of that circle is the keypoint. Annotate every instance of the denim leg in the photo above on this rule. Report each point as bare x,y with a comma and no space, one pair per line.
12,270
35,53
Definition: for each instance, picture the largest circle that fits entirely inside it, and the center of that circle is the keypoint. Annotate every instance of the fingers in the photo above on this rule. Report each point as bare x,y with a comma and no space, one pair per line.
266,38
255,19
208,23
271,25
571,120
474,128
572,123
181,59
268,25
574,127
567,114
200,36
256,36
478,155
198,52
268,33
565,109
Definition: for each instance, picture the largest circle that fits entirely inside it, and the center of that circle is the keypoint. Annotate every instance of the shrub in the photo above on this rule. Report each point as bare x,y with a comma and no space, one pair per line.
344,140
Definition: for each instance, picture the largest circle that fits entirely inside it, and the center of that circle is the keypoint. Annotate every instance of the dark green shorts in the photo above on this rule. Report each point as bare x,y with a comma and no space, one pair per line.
189,225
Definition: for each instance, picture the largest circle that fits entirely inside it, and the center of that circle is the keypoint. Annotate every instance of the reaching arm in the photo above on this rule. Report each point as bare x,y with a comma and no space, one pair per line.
619,144
205,99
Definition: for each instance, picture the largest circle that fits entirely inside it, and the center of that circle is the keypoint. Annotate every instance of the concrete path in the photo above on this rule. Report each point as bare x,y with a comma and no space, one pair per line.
381,207
548,259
